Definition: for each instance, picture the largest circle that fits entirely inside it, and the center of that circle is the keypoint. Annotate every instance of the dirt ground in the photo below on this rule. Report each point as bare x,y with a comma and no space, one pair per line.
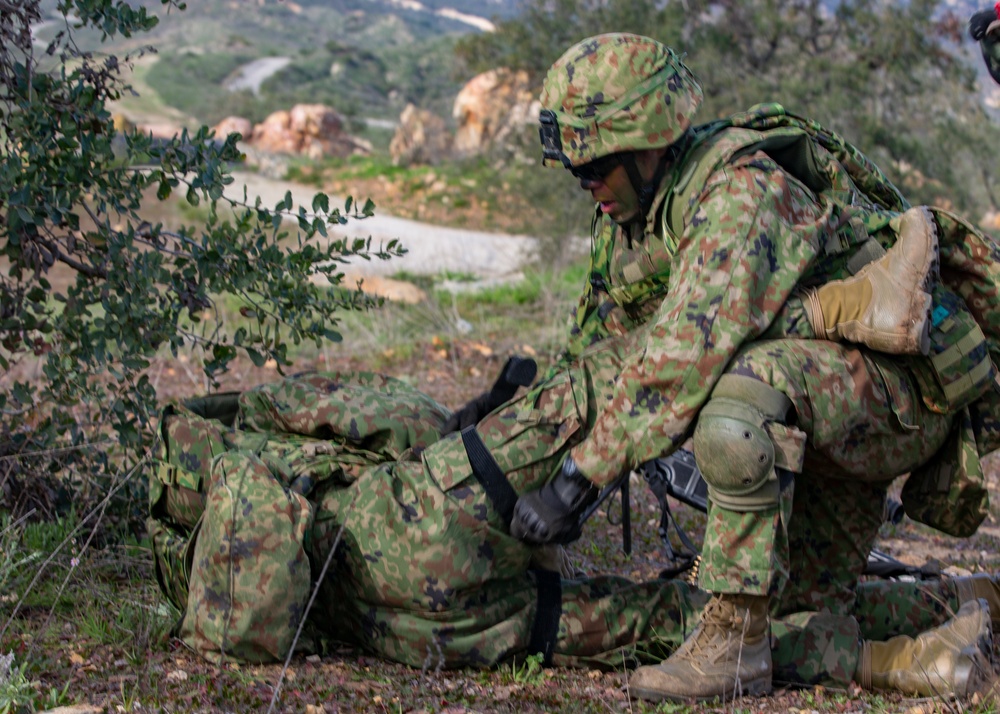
168,678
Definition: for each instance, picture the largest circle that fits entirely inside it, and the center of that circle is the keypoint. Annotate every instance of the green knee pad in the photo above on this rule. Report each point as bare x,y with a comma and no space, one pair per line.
733,449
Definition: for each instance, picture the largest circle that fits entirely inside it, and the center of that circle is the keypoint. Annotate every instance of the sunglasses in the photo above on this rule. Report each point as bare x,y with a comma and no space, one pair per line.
597,169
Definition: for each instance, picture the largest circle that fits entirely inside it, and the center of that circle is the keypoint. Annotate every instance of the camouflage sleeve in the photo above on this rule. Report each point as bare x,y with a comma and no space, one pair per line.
587,327
748,238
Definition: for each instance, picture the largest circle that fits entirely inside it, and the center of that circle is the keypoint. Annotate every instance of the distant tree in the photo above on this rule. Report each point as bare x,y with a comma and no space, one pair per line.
888,76
73,189
543,29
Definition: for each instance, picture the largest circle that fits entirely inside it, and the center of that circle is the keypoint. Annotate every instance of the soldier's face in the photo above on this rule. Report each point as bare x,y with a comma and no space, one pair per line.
614,194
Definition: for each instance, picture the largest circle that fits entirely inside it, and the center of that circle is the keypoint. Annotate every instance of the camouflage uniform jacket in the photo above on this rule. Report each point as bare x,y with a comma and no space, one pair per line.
749,234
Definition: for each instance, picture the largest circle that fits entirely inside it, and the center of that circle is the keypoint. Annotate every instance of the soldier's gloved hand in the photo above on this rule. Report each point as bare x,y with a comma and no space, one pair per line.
468,415
552,513
980,22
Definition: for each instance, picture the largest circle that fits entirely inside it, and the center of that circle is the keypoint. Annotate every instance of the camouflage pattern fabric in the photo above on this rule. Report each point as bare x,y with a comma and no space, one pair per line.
427,573
250,572
857,410
714,292
750,234
817,647
601,110
229,511
428,567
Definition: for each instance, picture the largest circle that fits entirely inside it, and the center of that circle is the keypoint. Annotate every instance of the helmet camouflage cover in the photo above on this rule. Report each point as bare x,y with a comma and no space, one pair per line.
612,93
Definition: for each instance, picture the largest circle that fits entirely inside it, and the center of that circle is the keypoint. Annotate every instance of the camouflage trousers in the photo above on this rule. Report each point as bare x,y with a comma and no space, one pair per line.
426,573
865,424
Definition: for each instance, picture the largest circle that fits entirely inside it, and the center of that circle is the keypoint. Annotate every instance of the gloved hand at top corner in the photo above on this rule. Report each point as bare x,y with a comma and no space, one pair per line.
980,22
552,513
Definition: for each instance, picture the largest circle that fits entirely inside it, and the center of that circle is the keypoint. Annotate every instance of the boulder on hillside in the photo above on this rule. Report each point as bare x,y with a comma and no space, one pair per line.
233,125
315,130
420,138
492,107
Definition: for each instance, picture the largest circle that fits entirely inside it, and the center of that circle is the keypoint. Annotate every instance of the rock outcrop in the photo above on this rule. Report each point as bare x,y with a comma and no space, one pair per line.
420,138
231,125
491,108
314,130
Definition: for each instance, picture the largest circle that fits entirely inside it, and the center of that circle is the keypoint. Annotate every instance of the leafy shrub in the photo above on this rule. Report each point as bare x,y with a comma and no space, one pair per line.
74,198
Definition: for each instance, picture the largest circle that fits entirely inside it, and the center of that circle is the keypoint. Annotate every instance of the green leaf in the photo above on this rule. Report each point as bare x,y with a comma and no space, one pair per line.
22,393
321,203
256,357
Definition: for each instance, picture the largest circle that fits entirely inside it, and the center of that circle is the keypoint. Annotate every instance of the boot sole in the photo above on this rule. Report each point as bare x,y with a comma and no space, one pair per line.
756,688
932,276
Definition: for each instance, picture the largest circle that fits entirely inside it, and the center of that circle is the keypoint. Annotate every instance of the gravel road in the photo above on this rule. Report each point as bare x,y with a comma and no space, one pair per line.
433,250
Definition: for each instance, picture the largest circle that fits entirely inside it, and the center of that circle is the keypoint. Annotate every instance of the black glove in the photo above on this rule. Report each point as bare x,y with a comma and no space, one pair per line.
979,22
552,513
469,415
516,372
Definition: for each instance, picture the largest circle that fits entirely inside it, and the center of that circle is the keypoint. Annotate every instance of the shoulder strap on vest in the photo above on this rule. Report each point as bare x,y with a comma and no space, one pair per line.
788,139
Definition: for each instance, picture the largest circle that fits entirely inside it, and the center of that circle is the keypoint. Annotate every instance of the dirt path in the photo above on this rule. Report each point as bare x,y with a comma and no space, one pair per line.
432,250
251,76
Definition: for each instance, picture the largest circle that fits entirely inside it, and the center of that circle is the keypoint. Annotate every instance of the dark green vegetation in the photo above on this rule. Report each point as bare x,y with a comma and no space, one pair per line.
367,59
357,82
93,286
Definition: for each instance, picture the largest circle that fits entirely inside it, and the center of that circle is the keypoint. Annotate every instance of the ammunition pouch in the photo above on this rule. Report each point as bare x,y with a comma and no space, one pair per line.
959,369
949,491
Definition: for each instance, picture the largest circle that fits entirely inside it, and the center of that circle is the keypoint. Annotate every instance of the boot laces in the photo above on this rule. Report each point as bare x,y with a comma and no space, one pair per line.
720,621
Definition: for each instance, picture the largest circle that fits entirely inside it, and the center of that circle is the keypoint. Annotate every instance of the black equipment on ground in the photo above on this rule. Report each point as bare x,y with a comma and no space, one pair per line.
678,476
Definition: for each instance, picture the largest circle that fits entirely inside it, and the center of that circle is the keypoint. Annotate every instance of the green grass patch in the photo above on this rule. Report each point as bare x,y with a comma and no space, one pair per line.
192,82
539,286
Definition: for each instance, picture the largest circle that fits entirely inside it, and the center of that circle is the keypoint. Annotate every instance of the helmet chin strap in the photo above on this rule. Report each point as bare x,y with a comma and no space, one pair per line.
645,190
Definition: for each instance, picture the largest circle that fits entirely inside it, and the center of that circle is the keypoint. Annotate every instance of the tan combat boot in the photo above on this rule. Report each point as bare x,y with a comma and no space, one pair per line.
728,655
981,585
952,660
887,305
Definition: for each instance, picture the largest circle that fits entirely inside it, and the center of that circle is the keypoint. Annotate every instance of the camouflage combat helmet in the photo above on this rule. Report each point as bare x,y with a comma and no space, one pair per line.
614,93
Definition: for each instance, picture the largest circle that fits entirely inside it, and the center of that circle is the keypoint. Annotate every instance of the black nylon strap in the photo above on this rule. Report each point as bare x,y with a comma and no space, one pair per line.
488,473
545,630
